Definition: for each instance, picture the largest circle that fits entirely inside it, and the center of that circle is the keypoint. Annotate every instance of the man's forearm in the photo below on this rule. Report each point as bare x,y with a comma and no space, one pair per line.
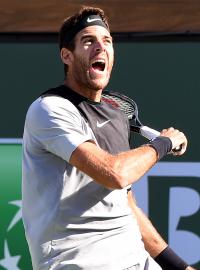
113,171
154,243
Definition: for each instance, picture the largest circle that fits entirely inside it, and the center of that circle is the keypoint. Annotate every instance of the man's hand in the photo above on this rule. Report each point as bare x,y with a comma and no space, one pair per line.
177,138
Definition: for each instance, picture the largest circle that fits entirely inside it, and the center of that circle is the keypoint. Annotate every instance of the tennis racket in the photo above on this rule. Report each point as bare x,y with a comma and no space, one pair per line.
130,108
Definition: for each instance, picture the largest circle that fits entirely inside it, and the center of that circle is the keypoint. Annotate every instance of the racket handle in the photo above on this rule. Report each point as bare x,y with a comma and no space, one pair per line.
151,134
177,149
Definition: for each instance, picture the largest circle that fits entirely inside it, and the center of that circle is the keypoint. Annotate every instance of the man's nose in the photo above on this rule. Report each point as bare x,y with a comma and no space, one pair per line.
99,46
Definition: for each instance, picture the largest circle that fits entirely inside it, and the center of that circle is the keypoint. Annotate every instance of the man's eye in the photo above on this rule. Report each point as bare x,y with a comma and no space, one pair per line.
108,41
88,42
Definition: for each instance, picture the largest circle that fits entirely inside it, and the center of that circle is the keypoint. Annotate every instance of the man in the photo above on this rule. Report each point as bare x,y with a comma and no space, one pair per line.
78,168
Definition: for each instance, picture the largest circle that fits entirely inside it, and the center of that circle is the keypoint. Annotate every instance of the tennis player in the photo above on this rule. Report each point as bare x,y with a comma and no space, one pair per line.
78,209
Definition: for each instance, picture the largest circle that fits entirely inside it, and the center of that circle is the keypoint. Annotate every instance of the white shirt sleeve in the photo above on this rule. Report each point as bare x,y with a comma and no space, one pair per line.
56,124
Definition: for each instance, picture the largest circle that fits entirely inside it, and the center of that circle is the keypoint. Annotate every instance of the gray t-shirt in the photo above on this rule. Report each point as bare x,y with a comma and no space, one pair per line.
71,222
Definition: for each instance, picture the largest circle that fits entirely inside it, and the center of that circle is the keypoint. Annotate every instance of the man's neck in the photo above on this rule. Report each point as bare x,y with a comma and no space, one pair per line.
94,95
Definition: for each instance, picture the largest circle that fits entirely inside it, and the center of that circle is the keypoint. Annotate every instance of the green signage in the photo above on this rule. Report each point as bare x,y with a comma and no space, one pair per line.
14,254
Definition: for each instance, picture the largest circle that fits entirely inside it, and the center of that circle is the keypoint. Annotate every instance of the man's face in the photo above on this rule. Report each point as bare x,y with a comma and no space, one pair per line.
93,58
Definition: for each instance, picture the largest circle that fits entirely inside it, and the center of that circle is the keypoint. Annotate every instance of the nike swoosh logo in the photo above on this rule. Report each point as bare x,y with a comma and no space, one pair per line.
99,125
93,20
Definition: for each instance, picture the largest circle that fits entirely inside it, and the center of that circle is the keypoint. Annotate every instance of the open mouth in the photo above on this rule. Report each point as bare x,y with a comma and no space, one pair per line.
99,65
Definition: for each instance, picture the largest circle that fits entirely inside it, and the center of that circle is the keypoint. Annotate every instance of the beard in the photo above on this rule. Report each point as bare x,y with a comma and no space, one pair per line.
85,79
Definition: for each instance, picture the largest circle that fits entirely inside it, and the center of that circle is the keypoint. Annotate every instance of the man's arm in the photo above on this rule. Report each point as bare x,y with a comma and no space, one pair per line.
154,243
118,171
113,171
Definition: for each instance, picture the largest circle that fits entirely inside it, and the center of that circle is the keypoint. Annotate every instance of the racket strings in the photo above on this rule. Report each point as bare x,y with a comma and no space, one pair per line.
118,102
129,107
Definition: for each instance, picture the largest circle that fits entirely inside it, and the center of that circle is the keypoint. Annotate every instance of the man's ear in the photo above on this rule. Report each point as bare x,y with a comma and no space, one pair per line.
66,56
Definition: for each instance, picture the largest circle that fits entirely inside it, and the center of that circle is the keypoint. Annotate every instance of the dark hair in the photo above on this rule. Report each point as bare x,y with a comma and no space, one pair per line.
73,21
